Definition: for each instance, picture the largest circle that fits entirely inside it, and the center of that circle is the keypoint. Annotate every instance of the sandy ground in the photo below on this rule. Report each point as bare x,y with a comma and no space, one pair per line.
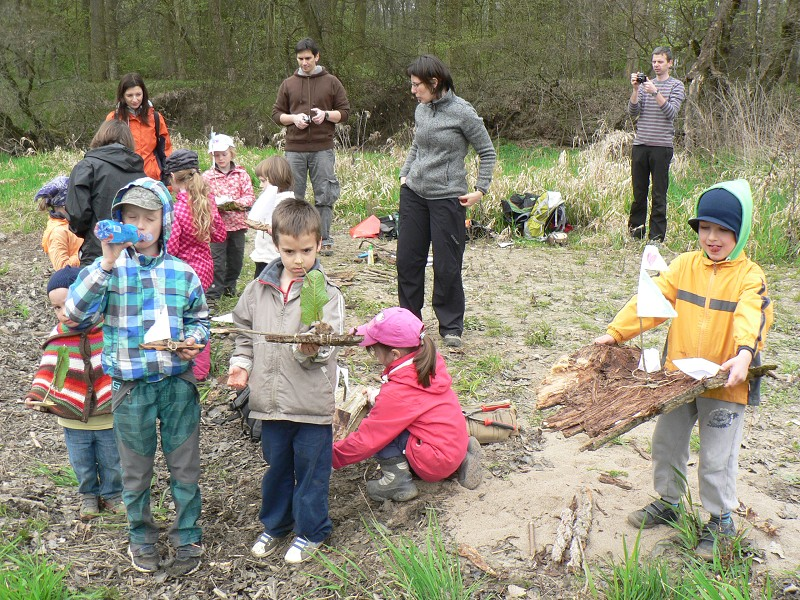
527,305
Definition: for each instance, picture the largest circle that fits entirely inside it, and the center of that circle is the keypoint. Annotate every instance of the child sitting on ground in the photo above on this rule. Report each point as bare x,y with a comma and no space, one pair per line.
724,314
58,242
416,419
275,175
82,403
196,224
291,387
143,291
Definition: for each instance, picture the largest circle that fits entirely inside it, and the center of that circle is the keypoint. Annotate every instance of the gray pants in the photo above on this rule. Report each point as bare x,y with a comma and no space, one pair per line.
320,166
721,426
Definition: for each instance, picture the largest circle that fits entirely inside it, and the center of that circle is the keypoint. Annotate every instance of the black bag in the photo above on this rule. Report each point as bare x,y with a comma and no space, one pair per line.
390,227
160,151
241,404
517,209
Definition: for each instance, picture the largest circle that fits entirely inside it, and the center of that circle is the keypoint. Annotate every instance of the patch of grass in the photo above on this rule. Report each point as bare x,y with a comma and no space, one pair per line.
633,577
60,475
411,570
539,333
26,575
496,327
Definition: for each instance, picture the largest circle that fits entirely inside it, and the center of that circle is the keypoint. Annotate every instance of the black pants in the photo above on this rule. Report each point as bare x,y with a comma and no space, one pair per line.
228,259
647,162
441,223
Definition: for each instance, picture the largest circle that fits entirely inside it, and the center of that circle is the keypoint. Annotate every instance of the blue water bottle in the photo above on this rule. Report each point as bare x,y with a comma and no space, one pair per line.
115,232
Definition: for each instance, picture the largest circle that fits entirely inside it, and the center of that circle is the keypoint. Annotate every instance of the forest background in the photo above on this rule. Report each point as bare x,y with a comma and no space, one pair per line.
549,72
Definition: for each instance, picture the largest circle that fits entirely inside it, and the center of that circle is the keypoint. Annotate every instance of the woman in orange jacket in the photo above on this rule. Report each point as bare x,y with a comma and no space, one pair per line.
135,109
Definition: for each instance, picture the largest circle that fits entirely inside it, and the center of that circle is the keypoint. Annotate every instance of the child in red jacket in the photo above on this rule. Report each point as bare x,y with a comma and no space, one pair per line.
416,419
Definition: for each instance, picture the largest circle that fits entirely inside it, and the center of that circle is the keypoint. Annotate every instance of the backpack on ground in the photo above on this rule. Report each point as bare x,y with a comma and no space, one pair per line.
547,215
517,209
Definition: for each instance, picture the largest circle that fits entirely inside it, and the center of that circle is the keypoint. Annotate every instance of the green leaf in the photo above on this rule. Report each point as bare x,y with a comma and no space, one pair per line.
62,366
313,297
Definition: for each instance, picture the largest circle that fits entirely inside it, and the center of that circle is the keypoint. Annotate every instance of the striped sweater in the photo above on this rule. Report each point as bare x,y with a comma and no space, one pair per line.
654,126
87,390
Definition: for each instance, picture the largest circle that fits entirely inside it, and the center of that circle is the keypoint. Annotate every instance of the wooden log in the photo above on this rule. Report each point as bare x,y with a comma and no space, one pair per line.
324,339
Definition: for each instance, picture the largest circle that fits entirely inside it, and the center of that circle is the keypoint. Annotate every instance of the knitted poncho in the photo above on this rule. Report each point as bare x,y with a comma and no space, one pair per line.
87,390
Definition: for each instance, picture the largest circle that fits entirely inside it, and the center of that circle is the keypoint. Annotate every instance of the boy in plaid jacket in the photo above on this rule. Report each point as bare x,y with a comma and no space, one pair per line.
138,288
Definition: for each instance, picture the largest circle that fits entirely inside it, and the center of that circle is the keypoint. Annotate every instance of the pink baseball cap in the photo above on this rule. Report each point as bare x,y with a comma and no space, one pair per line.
394,327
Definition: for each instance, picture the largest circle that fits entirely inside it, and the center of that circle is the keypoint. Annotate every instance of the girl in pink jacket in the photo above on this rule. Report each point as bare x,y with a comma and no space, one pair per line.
417,422
196,224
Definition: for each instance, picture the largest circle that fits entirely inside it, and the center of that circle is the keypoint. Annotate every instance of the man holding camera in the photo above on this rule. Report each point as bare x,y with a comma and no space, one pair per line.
309,104
656,103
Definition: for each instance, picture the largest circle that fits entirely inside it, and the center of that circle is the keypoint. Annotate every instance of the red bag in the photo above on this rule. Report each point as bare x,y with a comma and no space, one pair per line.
368,228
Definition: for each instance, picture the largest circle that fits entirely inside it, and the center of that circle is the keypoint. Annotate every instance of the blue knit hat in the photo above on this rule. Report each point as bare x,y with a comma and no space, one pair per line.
63,278
719,206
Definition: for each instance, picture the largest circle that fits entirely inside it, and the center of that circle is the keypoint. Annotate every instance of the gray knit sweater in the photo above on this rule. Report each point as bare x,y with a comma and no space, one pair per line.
445,129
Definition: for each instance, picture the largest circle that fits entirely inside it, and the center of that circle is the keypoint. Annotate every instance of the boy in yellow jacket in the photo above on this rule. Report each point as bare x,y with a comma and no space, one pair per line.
724,313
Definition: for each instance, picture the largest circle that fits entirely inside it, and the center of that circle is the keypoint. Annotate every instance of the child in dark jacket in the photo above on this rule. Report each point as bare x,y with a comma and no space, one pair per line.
82,403
416,419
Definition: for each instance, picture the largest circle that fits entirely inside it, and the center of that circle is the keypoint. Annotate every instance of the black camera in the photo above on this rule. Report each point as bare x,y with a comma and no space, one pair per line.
641,78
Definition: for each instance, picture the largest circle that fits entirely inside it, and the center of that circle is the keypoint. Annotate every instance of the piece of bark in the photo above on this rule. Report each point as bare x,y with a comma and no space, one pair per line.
604,395
573,530
473,556
608,479
351,409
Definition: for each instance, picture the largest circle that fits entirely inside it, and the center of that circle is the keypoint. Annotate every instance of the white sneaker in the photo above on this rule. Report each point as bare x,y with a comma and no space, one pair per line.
301,550
265,545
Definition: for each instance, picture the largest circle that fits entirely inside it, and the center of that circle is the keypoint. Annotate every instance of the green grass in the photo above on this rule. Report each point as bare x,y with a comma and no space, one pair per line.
595,182
60,475
30,576
412,570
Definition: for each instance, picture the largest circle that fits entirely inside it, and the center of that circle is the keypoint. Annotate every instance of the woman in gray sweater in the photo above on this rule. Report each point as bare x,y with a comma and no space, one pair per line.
434,195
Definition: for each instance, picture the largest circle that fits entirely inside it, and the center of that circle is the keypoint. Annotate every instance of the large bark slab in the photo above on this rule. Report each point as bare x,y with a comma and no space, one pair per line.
604,395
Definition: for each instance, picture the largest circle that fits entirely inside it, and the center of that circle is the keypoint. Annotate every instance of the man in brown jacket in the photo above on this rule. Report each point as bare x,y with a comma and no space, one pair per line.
309,104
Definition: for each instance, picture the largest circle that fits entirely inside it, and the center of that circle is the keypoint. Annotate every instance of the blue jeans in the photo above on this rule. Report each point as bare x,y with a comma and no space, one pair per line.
397,447
95,460
294,490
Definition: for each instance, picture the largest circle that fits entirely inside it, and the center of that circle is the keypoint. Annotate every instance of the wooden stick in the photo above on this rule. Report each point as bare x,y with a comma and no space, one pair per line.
324,339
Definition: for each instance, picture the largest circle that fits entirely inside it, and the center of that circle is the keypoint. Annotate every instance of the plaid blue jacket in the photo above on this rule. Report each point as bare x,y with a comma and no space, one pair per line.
130,298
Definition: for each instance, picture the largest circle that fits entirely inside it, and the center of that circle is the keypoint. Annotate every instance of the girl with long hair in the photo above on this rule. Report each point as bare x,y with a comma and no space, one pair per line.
416,422
196,224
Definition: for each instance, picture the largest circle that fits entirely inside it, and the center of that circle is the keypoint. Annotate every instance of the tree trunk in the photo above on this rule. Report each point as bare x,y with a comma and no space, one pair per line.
98,56
309,15
704,66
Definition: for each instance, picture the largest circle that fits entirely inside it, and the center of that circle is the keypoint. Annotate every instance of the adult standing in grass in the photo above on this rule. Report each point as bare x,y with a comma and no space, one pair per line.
309,104
136,111
655,104
109,165
434,195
